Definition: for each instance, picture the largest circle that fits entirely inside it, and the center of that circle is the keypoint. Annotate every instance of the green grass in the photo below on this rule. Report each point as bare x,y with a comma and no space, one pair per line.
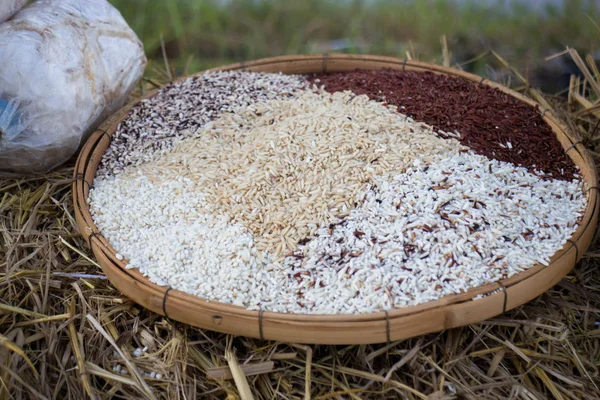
203,33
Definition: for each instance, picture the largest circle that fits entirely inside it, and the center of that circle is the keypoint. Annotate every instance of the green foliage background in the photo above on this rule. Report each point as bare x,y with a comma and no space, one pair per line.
204,33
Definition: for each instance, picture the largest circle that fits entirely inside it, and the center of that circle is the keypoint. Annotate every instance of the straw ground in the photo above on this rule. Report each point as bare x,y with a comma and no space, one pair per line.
66,333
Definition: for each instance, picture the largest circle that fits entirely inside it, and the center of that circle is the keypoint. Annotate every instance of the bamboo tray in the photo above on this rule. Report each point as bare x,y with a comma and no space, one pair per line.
444,313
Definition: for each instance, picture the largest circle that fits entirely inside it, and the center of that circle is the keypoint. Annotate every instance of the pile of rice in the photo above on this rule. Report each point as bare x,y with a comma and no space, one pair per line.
299,200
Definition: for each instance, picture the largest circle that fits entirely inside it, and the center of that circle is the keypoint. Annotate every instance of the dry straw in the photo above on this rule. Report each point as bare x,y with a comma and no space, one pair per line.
543,349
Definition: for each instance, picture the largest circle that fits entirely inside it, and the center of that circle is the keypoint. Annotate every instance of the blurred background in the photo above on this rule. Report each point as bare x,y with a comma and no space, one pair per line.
198,34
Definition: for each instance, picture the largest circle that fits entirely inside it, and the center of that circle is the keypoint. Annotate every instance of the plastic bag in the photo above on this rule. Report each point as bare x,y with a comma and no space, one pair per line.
66,66
8,8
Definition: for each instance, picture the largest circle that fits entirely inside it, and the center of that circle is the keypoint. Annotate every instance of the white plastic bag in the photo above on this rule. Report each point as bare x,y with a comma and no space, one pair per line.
8,8
66,66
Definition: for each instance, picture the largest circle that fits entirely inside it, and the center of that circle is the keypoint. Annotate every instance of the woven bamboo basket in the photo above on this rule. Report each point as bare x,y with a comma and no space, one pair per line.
444,313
